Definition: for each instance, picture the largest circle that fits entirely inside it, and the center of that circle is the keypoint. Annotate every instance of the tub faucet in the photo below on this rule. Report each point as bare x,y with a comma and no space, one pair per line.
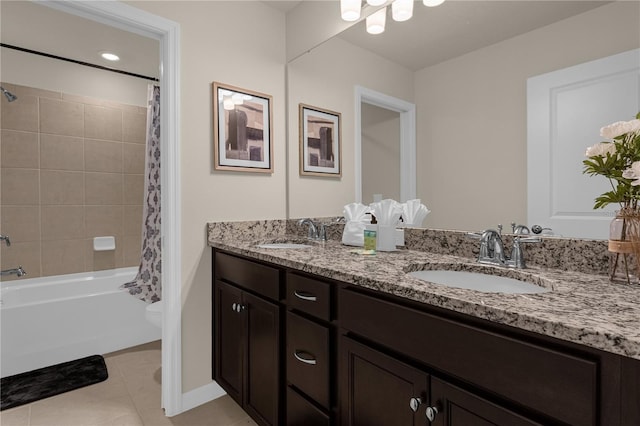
6,239
316,232
15,271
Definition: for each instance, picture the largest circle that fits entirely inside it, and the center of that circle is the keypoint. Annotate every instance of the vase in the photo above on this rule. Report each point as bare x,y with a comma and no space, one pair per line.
624,246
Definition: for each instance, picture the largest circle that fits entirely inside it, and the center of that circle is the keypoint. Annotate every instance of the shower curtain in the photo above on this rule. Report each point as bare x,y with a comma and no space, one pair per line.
147,285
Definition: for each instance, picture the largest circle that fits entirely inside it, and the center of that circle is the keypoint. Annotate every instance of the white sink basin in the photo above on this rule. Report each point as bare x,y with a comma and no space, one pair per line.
283,246
478,281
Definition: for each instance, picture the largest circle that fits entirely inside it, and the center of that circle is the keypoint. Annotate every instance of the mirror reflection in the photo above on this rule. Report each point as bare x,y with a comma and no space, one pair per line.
465,65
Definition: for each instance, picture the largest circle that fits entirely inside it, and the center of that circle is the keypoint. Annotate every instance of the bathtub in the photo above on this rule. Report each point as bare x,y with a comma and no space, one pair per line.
49,320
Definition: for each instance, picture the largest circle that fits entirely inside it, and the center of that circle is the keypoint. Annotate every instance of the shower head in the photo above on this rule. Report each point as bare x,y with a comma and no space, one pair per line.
10,96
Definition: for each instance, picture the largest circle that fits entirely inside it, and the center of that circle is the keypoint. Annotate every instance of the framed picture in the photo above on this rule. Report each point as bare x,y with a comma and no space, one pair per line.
320,142
242,130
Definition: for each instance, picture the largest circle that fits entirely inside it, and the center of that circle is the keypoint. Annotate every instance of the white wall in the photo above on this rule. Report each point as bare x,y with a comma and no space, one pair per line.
326,78
472,115
241,43
26,69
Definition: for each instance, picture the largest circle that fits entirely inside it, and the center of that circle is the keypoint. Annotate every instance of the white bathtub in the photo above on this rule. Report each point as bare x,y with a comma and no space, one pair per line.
49,320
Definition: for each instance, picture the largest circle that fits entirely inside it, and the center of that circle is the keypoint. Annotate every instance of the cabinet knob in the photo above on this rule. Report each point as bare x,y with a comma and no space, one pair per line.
305,296
234,307
431,413
414,403
237,307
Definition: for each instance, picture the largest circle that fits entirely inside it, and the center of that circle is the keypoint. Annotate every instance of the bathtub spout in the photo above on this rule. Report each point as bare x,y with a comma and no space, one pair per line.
15,271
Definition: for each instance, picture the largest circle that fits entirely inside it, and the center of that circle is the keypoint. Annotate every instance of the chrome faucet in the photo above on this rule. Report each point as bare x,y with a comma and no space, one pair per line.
6,239
492,247
317,232
15,271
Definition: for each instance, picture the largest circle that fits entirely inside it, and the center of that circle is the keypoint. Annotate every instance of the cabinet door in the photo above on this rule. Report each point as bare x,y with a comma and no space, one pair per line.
378,390
457,407
229,326
262,358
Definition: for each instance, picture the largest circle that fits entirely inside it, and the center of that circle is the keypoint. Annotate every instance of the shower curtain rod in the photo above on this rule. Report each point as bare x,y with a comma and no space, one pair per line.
87,64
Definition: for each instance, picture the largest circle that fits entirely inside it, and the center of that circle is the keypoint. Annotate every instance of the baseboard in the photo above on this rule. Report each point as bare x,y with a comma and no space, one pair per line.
201,395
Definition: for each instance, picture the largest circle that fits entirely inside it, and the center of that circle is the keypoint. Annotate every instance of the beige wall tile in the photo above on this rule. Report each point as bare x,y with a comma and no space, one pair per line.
25,254
133,189
62,222
20,186
103,221
102,156
132,248
134,126
103,123
21,114
103,188
62,257
58,187
20,223
132,220
20,149
61,152
134,157
61,118
22,91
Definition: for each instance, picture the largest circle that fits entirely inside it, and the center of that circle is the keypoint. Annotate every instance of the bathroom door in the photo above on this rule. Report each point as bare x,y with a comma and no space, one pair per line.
566,109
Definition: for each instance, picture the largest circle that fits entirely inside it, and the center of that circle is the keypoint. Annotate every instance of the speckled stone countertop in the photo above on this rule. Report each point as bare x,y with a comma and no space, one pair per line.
583,308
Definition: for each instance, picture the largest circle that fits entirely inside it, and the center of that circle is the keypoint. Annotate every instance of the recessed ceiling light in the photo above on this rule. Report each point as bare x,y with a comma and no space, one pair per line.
110,56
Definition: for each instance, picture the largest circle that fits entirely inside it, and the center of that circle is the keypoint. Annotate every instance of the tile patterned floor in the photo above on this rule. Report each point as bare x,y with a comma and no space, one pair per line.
129,397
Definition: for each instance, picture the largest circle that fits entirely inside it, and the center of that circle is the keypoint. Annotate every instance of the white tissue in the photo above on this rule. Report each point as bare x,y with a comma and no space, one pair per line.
413,213
356,217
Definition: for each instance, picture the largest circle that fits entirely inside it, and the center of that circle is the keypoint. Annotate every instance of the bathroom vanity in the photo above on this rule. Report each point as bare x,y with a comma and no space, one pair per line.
323,336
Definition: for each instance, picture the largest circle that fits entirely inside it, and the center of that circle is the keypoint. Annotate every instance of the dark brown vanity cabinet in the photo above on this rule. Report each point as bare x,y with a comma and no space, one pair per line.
309,351
247,335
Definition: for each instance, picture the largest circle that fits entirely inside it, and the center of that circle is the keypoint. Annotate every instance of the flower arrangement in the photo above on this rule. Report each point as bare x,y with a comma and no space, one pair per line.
617,159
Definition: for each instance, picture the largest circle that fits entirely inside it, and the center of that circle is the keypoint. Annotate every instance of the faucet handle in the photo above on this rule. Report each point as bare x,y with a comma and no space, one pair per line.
6,239
527,239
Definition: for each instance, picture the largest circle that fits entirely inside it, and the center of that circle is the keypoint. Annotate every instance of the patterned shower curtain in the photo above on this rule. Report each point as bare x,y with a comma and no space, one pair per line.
147,285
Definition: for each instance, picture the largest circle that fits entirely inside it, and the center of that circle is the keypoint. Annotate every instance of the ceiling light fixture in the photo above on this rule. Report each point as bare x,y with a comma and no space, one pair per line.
350,10
110,56
402,10
376,21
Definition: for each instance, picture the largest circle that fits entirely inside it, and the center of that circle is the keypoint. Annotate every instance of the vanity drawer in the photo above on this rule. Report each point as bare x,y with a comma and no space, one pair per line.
301,412
259,278
309,295
308,357
549,381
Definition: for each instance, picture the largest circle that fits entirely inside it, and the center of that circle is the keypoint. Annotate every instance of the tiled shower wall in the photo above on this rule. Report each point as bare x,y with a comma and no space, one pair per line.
72,168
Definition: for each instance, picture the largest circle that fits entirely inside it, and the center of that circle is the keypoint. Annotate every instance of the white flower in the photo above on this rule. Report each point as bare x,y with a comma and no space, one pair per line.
602,149
633,172
620,128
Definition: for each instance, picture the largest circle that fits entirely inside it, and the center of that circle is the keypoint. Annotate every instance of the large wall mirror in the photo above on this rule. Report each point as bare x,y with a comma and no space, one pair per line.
465,65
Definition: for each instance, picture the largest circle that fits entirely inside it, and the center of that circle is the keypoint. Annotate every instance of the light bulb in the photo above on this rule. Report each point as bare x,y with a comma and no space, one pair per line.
376,2
376,21
432,3
228,104
402,10
237,98
350,10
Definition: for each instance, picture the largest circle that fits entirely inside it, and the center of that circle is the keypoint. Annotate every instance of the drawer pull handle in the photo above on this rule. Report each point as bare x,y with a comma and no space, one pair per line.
305,357
305,296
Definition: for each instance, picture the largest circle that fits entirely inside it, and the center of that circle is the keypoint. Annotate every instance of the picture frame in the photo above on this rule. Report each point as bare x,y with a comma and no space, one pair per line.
320,141
242,129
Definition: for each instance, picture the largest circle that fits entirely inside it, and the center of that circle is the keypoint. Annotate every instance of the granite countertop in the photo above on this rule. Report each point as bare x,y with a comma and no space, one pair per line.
581,308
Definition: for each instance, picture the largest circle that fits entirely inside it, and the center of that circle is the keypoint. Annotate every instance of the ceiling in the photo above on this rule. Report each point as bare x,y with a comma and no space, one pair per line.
433,35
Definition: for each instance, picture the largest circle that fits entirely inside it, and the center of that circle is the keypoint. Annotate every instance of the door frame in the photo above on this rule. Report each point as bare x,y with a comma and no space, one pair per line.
407,112
167,32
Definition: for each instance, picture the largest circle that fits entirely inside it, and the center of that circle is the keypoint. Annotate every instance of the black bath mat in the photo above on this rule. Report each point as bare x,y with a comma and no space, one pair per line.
44,382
